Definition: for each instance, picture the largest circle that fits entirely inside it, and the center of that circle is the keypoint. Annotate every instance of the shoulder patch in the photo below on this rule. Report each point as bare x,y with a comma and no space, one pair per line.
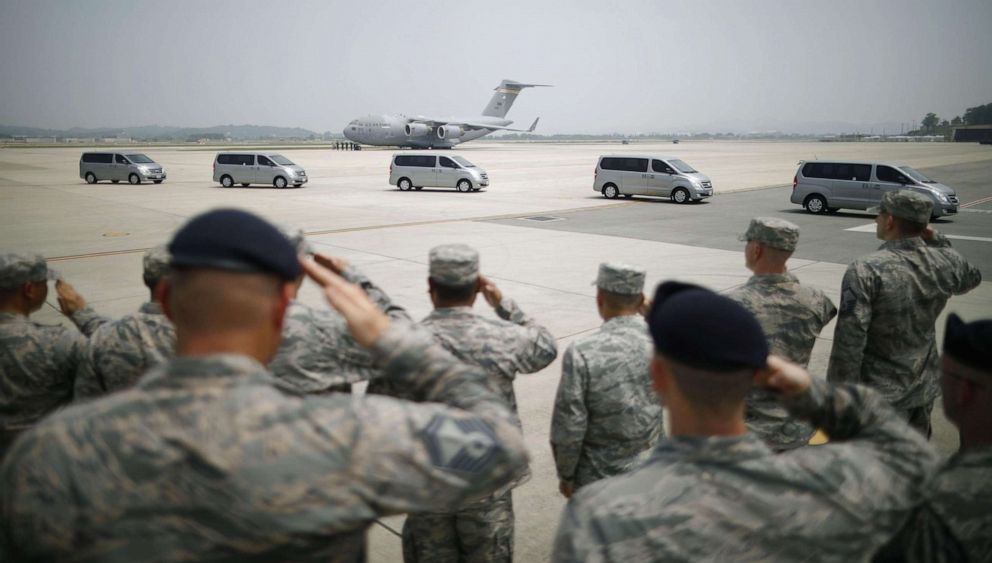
467,446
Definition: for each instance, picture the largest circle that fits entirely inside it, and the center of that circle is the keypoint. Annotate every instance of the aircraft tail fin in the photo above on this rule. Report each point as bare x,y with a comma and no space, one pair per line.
506,93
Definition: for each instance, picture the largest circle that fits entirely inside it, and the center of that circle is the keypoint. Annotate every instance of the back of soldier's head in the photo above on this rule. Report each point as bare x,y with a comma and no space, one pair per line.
968,361
454,272
155,265
620,286
712,343
227,270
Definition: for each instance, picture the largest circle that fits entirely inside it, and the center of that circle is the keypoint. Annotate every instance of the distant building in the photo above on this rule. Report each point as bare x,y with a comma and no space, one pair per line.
973,134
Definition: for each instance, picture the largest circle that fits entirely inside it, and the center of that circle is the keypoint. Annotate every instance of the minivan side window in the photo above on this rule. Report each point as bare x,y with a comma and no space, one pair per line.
837,171
889,174
96,158
404,161
119,158
636,164
425,161
447,162
236,159
661,167
611,164
264,161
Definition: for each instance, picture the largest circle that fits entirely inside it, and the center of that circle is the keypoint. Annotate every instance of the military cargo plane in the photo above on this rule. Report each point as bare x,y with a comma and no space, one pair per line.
439,133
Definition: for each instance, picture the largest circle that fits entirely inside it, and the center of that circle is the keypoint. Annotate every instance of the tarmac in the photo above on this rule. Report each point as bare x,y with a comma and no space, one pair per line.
95,235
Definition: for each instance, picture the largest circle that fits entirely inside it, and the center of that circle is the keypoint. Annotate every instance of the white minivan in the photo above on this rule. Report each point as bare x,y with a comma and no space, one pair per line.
663,176
133,167
257,168
418,170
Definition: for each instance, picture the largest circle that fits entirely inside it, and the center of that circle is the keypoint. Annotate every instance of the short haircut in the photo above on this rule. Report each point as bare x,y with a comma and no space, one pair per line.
620,301
715,391
775,254
151,282
455,292
907,227
215,301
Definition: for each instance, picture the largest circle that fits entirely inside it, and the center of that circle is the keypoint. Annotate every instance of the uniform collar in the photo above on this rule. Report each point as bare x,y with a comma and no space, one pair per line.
12,318
902,244
183,371
771,279
713,449
461,311
151,308
625,320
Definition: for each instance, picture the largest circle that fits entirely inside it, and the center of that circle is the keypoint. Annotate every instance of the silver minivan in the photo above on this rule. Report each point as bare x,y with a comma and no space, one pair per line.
248,168
117,166
824,186
662,176
418,170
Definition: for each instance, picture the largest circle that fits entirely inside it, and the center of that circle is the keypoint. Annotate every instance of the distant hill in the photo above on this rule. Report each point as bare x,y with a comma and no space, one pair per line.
159,132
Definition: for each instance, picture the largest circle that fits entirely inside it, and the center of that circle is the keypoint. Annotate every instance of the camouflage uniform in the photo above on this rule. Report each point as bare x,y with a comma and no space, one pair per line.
732,499
204,459
37,362
890,301
318,354
483,530
792,317
606,417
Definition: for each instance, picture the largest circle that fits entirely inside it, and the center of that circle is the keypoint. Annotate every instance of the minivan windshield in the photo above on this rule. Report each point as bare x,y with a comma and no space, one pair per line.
682,167
139,159
463,162
280,160
914,174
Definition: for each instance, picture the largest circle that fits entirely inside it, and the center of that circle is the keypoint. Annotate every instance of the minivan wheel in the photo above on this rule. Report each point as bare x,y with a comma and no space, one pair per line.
134,179
404,184
815,204
90,178
680,195
610,191
279,182
463,186
227,181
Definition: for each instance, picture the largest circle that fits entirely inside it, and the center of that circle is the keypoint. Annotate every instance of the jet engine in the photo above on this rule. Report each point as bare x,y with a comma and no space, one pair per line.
416,129
449,132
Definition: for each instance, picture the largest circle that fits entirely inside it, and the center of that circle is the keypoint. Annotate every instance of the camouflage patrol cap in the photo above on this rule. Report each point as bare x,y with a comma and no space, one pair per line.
905,204
702,329
297,238
236,241
18,269
454,264
155,264
620,278
773,232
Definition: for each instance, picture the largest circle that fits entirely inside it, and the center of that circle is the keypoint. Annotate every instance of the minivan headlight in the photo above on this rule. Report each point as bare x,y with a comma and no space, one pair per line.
942,198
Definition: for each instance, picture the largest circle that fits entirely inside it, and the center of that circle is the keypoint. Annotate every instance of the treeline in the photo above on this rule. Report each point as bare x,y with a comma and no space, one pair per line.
933,125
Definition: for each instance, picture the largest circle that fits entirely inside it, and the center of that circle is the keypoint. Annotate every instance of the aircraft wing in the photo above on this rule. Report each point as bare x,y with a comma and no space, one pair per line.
470,125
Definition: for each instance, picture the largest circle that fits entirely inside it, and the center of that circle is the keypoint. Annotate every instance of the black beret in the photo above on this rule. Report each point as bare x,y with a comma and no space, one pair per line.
701,329
969,343
234,240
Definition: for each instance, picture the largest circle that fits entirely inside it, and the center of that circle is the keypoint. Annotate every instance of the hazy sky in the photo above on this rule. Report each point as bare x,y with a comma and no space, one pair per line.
617,66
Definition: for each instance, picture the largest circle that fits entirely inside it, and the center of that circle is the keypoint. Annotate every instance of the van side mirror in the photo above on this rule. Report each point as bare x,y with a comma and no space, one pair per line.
669,171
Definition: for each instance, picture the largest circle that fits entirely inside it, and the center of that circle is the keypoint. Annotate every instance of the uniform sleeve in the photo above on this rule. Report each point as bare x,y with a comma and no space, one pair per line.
89,383
924,539
853,321
416,457
570,417
828,313
87,320
535,345
577,538
968,276
377,295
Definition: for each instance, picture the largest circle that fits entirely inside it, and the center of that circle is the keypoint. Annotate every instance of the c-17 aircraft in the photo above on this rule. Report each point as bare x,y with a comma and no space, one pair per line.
439,133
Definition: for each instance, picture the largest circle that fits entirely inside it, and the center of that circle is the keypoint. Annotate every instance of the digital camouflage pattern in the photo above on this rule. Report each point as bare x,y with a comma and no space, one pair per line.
318,354
453,264
733,499
792,317
620,278
606,418
480,531
502,348
890,301
956,523
88,321
773,232
121,351
37,367
18,269
205,459
905,204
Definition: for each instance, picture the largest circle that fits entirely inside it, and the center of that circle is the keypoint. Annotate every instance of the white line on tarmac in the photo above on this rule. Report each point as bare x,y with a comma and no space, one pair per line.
870,228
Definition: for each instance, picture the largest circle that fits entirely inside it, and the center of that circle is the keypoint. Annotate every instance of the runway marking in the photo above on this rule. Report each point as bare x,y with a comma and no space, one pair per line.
870,228
976,202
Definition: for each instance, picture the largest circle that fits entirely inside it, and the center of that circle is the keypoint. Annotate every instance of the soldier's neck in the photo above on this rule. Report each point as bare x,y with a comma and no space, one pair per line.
243,344
767,269
607,315
16,307
689,422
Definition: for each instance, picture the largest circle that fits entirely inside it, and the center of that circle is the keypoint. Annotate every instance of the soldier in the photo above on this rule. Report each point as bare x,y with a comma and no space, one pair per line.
119,352
791,316
956,522
205,459
889,303
606,417
317,354
714,491
37,362
482,530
